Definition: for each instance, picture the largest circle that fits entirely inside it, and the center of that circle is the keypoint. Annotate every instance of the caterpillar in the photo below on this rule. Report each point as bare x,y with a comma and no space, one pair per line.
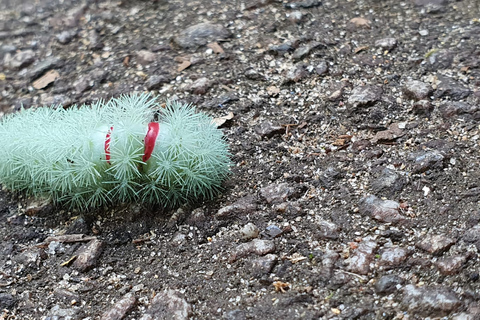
113,152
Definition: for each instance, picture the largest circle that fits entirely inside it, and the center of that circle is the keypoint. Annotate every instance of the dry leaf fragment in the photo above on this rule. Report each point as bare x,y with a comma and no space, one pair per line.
280,286
184,65
221,120
296,257
215,47
361,22
359,49
273,91
46,79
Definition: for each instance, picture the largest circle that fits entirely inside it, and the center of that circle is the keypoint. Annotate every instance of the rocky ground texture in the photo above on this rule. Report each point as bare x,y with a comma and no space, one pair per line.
355,140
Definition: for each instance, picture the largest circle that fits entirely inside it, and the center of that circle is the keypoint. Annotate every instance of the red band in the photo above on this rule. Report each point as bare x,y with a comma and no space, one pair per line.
108,139
150,139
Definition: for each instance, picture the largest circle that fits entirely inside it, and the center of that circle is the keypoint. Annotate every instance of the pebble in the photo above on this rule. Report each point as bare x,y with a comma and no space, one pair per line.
201,34
451,265
256,246
271,232
87,256
430,301
388,182
31,258
326,230
296,73
145,57
236,314
381,210
268,129
472,235
427,160
19,60
393,256
287,46
249,231
155,82
178,239
417,90
435,244
448,87
264,265
66,36
454,108
40,67
200,86
362,257
120,309
168,304
439,60
242,206
83,84
363,96
276,193
252,74
303,4
423,108
321,68
386,43
56,312
388,284
302,51
7,301
47,99
329,177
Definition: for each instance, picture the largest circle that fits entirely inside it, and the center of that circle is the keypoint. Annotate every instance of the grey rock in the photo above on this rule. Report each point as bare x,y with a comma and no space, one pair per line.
304,50
435,244
381,210
451,265
386,43
178,239
31,258
296,73
201,34
287,46
256,246
363,96
393,256
438,60
417,90
388,284
455,108
249,231
321,68
236,314
264,265
329,177
19,60
430,301
82,85
472,235
362,257
56,312
55,100
252,74
200,86
66,36
242,206
94,39
271,232
303,4
120,309
39,68
423,108
156,82
326,230
268,129
66,294
87,256
427,160
388,182
145,57
448,87
168,305
7,301
276,193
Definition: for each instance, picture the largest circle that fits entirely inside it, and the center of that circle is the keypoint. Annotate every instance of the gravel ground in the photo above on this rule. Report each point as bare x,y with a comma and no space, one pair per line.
355,187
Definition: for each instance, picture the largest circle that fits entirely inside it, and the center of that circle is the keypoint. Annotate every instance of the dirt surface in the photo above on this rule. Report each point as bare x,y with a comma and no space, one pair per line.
355,187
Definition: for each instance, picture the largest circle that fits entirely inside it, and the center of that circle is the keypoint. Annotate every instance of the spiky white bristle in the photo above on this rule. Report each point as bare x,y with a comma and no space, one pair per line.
90,156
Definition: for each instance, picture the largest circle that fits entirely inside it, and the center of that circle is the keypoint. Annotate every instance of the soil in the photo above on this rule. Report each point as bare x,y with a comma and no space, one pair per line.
355,188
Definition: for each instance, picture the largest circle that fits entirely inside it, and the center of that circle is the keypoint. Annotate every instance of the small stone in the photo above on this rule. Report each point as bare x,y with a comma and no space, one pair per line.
295,16
156,82
435,244
39,68
455,108
362,257
31,258
448,87
326,230
427,160
388,284
451,265
56,312
423,108
87,256
7,301
249,231
242,206
168,304
303,4
386,43
201,34
82,85
360,22
268,129
20,60
381,210
417,90
364,96
263,265
438,60
55,100
287,46
393,256
392,133
66,294
430,301
296,73
145,57
321,68
66,36
236,314
179,239
329,177
302,51
256,246
252,74
120,309
271,232
472,235
200,86
94,40
388,182
276,193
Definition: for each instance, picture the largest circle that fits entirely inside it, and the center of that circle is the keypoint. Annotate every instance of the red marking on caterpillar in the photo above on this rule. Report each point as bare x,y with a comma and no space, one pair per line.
150,139
108,139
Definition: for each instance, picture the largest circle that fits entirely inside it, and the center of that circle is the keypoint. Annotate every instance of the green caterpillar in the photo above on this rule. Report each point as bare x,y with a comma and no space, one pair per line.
111,152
